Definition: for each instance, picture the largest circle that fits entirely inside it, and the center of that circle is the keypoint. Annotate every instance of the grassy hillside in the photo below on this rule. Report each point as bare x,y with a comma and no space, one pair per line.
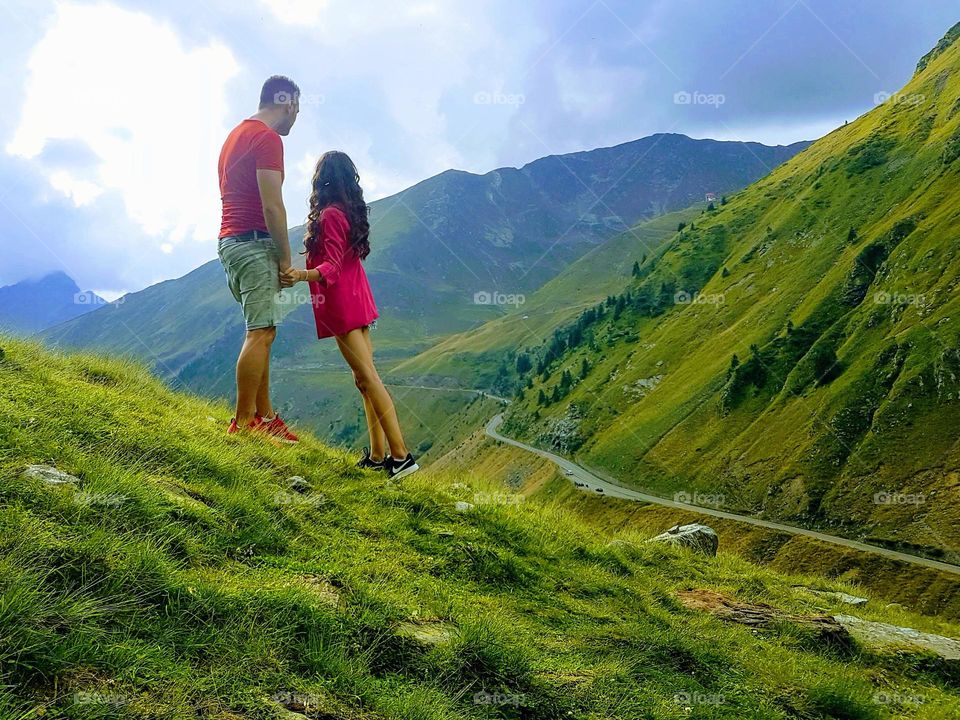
183,575
927,590
793,352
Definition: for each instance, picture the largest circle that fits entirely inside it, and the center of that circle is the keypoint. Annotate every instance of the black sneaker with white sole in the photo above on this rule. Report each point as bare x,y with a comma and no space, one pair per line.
398,468
368,463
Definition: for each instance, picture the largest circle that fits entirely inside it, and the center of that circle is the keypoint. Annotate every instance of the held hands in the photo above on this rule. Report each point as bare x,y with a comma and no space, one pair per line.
291,276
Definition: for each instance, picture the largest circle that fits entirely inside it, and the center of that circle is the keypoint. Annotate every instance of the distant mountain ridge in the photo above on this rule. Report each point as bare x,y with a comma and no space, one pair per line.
31,306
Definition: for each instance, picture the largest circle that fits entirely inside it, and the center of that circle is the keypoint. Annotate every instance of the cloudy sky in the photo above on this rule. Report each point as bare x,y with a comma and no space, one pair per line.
116,109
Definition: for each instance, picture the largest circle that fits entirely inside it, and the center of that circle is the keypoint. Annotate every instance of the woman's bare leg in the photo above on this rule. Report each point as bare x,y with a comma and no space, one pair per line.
378,439
357,350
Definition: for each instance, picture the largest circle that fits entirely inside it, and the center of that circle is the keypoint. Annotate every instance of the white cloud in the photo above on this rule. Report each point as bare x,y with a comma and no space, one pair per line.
418,60
297,12
151,110
783,133
82,192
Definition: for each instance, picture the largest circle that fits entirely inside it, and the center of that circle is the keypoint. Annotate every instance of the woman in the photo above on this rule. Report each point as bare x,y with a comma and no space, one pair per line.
337,240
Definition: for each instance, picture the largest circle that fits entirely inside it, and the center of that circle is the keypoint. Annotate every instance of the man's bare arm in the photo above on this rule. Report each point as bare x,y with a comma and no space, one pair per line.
274,213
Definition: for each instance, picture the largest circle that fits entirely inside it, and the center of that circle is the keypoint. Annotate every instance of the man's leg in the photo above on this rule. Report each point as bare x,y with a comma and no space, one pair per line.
264,406
252,368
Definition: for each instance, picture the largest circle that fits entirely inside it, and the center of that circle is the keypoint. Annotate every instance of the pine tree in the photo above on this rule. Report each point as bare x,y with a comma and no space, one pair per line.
523,364
636,269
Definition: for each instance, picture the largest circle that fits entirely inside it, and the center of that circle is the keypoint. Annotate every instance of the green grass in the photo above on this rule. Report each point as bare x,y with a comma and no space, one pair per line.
183,578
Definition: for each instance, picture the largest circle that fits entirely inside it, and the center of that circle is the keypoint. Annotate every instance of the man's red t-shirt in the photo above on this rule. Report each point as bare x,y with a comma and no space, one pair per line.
250,146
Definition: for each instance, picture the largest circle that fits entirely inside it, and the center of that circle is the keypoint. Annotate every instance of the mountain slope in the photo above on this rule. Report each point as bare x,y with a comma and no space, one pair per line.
30,306
796,353
472,358
180,573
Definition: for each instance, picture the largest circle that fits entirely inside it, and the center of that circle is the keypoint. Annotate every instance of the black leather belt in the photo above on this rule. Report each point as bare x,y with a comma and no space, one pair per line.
251,235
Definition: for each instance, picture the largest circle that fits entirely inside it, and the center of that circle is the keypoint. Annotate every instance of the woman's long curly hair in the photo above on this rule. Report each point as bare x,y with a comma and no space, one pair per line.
336,182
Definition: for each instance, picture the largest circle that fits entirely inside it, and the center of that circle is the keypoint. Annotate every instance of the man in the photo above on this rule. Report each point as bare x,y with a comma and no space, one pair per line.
254,248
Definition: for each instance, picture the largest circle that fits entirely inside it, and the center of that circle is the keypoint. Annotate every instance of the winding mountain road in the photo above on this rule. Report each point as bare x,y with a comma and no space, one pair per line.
591,482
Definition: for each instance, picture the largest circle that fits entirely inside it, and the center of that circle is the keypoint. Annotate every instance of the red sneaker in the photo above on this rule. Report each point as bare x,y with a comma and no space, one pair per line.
255,424
278,429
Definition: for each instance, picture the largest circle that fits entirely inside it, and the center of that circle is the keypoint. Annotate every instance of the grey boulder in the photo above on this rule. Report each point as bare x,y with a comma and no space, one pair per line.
50,475
694,536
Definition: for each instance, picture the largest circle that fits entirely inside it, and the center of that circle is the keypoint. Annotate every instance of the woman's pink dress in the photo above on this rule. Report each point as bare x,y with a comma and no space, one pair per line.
342,300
